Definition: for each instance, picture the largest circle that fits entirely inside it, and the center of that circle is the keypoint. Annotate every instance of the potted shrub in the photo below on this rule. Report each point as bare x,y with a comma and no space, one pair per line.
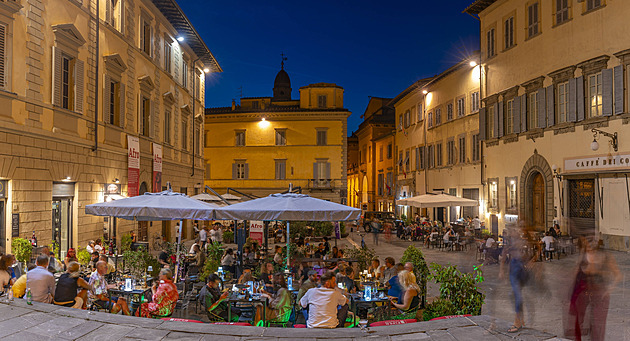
22,249
458,288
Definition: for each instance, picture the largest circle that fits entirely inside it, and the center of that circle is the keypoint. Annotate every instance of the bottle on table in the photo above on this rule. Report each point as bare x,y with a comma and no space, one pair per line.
29,296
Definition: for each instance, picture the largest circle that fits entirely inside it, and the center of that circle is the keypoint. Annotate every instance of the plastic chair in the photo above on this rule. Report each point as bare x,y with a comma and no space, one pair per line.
283,320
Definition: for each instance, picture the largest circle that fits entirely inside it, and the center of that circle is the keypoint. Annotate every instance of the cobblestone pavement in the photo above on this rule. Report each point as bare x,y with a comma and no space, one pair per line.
40,322
545,303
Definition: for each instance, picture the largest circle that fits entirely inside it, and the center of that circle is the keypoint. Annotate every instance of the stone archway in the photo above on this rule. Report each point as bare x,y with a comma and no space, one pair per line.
536,192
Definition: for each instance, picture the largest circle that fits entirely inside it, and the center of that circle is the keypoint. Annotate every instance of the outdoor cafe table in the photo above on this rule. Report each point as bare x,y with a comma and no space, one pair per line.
358,300
235,298
133,297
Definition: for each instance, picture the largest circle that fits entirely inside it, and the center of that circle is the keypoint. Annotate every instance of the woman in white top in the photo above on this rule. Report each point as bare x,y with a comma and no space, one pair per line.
227,261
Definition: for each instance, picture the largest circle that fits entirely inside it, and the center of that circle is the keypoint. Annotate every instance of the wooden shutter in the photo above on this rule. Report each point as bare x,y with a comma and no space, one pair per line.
247,171
542,113
482,124
315,175
580,98
121,101
234,171
79,86
495,117
3,79
56,76
524,113
500,120
618,72
106,97
140,115
108,11
328,170
607,92
516,115
572,114
551,119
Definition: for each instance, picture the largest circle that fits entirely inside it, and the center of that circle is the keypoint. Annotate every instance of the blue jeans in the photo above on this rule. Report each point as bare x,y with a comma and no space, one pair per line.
517,277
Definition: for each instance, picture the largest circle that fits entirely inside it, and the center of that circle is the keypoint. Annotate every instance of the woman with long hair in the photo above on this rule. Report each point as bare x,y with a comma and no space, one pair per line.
411,290
6,273
279,306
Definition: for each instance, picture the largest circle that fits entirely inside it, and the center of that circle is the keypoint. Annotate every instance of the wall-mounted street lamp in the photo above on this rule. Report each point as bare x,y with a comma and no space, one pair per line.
612,137
558,176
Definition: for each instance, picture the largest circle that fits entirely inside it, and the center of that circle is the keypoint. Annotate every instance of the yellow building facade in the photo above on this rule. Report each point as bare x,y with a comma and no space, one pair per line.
555,114
437,139
375,156
265,144
75,87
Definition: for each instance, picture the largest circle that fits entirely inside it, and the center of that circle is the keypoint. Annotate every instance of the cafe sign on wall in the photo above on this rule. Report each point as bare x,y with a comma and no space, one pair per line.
598,163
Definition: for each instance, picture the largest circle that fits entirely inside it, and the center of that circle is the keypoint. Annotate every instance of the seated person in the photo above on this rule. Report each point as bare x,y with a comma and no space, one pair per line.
279,306
246,277
98,246
395,289
248,255
322,304
67,292
390,269
19,287
99,291
71,256
227,261
6,273
41,281
548,240
192,247
265,273
311,282
110,268
375,269
199,261
164,297
348,280
164,259
94,258
411,290
214,301
90,247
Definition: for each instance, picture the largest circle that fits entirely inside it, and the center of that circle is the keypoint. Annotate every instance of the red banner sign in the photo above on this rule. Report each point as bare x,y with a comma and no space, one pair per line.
133,166
256,231
157,167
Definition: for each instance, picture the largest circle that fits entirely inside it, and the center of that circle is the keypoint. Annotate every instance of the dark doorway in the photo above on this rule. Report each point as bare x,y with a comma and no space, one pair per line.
470,211
582,206
3,231
62,224
494,225
538,202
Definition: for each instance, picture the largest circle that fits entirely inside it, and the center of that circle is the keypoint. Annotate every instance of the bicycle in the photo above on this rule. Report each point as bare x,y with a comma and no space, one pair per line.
158,243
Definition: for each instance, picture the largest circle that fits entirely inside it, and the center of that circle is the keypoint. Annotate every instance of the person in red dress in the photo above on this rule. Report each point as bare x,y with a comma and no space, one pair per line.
165,297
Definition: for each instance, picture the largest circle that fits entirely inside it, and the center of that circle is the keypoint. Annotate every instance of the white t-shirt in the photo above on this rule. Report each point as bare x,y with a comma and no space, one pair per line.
89,249
489,242
322,312
203,236
477,223
98,248
548,240
213,235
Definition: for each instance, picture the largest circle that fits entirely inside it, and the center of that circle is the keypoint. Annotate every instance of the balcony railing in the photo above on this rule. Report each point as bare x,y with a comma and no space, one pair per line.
320,183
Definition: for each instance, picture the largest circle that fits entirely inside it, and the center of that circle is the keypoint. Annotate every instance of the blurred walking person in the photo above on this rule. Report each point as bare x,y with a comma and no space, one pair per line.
597,273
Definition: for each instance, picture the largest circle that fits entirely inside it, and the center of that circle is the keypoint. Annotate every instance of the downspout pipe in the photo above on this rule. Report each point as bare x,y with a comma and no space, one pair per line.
194,97
96,88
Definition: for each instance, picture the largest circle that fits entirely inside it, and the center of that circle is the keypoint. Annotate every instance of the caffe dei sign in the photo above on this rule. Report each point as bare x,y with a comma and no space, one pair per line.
598,163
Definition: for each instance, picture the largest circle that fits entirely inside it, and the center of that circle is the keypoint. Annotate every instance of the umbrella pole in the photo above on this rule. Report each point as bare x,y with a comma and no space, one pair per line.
179,240
288,246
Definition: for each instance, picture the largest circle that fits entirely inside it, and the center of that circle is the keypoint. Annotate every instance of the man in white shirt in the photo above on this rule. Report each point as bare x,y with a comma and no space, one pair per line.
203,237
490,242
90,247
548,241
477,223
322,304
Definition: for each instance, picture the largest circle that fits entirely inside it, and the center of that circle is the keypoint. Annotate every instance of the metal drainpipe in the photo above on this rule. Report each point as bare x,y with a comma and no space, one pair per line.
98,27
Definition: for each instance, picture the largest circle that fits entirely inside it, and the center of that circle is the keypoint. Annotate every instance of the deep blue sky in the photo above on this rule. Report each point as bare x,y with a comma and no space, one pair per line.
370,48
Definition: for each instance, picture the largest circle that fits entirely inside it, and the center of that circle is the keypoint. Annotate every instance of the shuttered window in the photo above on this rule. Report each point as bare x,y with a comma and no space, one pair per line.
431,156
462,149
438,116
438,155
145,112
240,170
449,112
491,127
389,151
533,20
113,99
168,49
461,107
593,4
281,137
239,138
594,104
508,33
562,11
321,101
185,134
167,126
563,101
475,147
532,111
322,138
281,169
185,74
145,37
450,152
509,117
490,40
430,120
474,101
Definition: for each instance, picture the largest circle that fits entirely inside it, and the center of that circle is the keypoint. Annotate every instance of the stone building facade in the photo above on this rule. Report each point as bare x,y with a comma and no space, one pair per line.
554,115
73,90
264,144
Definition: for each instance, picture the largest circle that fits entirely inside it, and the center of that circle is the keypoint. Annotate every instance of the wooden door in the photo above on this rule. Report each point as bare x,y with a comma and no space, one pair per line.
538,202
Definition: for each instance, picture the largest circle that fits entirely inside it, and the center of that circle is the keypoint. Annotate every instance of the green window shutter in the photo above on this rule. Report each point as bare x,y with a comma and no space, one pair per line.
607,92
482,124
618,72
580,98
516,114
551,119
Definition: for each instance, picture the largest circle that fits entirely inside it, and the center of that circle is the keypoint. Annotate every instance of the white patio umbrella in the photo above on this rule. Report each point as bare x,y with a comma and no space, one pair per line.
166,205
436,200
230,196
209,198
289,207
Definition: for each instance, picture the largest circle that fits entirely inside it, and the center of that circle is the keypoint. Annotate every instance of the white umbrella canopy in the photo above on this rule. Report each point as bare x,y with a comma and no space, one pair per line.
206,197
230,196
436,200
166,205
290,207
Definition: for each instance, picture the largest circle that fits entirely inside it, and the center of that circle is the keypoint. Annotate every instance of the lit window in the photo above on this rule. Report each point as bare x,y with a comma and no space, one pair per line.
493,200
511,194
595,95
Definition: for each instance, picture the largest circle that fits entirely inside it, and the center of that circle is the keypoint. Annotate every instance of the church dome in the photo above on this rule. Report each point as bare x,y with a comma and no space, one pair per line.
282,86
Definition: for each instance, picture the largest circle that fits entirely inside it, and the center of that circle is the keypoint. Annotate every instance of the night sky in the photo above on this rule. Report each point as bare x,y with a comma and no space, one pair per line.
370,48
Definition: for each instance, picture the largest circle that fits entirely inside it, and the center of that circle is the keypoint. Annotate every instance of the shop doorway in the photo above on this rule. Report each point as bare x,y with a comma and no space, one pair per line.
470,211
62,224
538,202
582,206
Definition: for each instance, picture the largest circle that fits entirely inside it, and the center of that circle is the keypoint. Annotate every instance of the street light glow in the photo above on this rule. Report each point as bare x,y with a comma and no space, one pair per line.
425,92
180,38
473,63
206,70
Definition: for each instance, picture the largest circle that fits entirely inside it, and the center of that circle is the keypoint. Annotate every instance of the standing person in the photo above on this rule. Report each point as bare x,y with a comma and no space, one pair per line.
597,273
375,232
213,234
219,233
41,281
477,225
203,237
322,304
164,259
518,275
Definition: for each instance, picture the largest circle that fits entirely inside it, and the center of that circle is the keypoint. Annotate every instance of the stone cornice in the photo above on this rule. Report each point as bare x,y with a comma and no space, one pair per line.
594,65
563,75
533,84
